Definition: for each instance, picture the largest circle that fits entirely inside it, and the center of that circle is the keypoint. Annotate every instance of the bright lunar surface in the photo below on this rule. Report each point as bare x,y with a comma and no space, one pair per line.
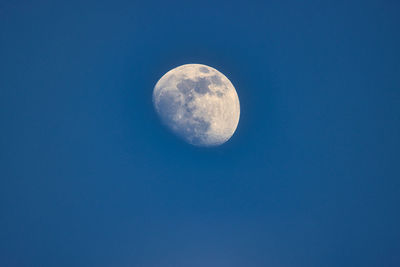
198,103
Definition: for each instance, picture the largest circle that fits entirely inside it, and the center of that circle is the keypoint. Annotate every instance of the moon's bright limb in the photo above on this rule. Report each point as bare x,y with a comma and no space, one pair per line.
198,103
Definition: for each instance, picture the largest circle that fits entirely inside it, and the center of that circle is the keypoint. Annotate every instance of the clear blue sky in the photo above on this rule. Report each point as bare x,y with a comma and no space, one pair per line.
90,177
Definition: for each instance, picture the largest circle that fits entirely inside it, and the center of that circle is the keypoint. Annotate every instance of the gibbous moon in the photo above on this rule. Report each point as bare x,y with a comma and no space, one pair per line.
198,103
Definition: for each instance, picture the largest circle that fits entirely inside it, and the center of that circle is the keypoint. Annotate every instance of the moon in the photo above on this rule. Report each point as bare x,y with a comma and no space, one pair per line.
198,103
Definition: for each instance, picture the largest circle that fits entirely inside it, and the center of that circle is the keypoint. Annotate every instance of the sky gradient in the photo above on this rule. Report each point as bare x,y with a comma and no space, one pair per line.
90,177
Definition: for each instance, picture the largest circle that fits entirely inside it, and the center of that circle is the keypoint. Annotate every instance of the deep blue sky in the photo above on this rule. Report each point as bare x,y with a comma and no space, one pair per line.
90,177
